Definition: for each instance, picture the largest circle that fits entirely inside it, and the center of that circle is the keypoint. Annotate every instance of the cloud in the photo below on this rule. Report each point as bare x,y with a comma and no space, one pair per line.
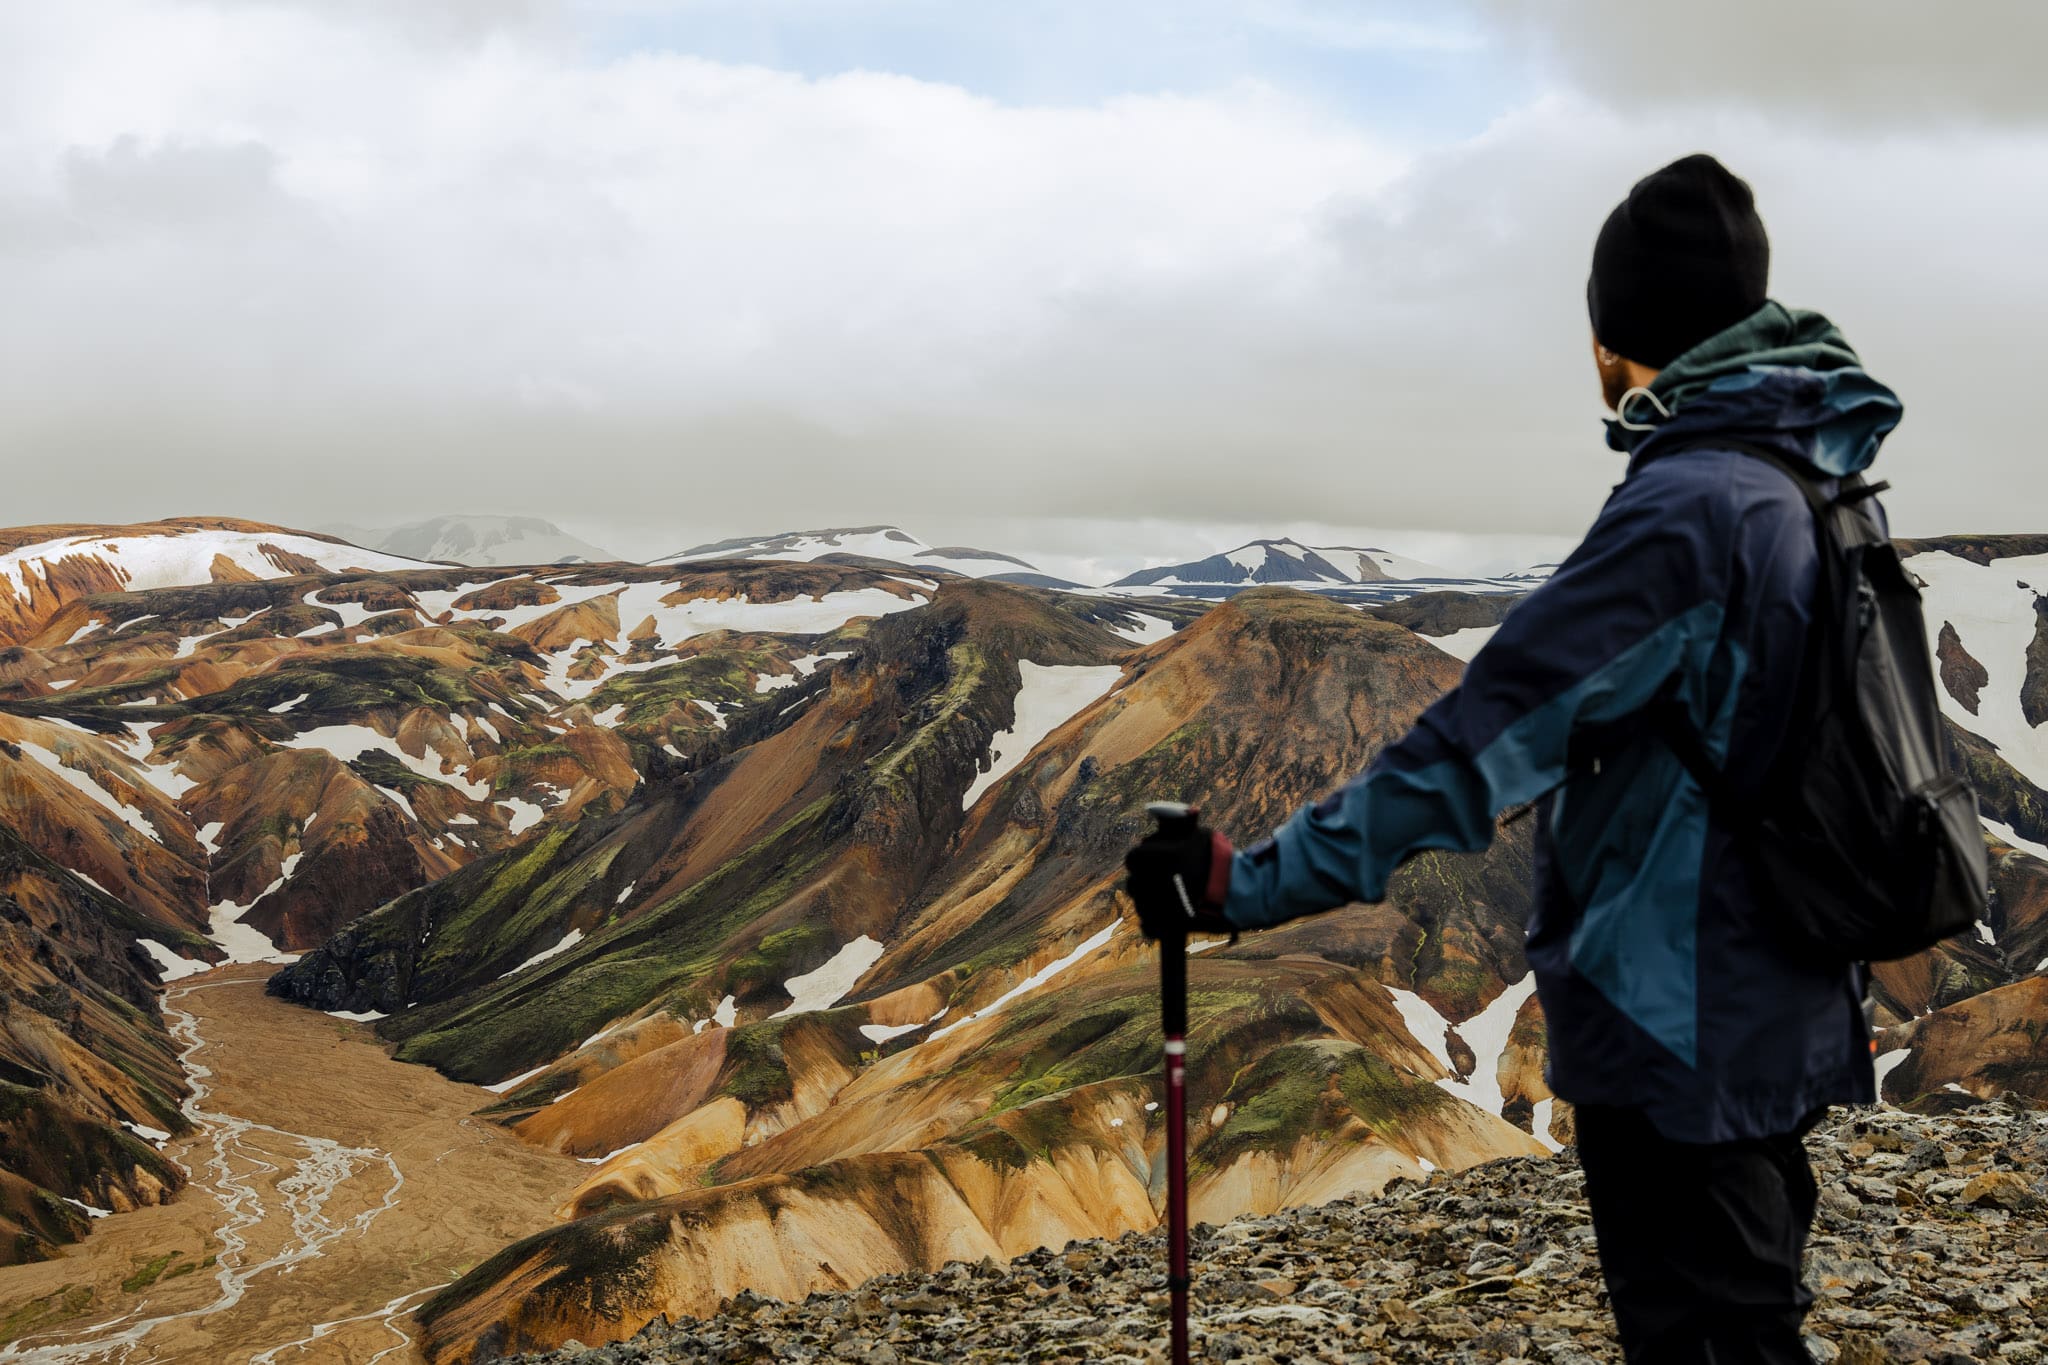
172,185
292,263
1850,63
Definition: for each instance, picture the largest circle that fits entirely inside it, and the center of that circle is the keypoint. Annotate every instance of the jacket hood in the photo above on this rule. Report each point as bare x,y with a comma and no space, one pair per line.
1781,377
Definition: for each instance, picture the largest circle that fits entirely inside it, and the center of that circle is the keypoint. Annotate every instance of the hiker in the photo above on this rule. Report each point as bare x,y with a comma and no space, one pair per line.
1695,1049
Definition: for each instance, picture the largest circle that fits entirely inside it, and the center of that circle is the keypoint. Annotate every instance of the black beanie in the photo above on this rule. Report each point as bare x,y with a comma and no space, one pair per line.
1683,257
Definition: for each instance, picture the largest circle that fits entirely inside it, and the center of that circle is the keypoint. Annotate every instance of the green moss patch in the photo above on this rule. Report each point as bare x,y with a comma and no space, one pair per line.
149,1272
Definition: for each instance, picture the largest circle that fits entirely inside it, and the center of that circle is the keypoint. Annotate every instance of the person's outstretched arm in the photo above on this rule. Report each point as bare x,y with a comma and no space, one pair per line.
1637,605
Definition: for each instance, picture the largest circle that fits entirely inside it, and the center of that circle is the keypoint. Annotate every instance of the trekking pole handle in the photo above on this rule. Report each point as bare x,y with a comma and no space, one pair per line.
1174,817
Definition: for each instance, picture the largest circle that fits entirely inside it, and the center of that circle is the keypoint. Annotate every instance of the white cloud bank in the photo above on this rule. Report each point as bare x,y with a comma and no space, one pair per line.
397,258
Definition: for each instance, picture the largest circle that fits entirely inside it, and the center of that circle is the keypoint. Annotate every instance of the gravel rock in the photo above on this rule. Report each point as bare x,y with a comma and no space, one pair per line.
1931,1246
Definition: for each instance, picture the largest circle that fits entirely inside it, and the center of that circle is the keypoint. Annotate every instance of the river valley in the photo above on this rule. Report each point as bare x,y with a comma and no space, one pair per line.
332,1190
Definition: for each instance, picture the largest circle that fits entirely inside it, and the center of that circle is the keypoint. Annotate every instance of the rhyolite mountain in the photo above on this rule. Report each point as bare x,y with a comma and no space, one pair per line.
784,891
839,983
89,1079
44,567
236,768
478,540
880,1008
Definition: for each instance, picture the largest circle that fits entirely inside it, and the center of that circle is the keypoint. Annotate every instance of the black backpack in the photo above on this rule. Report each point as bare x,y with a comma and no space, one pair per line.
1865,833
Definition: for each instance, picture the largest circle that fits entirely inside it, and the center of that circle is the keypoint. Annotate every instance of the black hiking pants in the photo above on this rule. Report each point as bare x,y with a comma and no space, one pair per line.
1701,1244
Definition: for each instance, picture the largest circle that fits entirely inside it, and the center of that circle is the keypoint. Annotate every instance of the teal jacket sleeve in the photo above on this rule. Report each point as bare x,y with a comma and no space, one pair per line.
1637,607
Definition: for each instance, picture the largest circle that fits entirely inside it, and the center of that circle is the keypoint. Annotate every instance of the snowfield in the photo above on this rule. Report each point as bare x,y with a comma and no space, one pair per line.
1051,695
170,559
640,603
797,616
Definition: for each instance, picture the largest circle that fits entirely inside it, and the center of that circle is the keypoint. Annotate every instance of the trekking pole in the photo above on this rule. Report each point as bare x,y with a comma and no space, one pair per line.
1173,818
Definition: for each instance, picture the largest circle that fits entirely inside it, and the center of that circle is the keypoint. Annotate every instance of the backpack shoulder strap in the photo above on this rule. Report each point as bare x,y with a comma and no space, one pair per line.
1668,720
1665,718
1848,489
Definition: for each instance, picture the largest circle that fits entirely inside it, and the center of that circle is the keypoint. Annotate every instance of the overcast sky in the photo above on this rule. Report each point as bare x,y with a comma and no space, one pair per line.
1065,277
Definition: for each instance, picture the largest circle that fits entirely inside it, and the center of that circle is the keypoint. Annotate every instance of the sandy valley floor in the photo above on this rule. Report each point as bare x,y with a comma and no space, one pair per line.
332,1189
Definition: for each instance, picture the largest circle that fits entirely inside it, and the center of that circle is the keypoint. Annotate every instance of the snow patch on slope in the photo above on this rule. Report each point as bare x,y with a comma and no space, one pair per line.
882,1033
825,987
2007,834
808,664
1463,644
1050,696
1887,1064
87,785
1994,618
1424,1025
1149,630
1539,1124
174,967
569,940
349,742
1486,1033
244,942
525,814
1035,980
514,1082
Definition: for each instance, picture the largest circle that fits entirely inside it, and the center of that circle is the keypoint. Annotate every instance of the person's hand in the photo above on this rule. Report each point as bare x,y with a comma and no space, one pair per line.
1200,858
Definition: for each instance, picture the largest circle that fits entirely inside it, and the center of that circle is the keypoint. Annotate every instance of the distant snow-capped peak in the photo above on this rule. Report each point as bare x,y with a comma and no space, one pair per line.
482,541
1286,560
888,543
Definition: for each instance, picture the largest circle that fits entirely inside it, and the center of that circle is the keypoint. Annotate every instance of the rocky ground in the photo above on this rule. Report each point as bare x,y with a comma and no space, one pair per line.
1931,1245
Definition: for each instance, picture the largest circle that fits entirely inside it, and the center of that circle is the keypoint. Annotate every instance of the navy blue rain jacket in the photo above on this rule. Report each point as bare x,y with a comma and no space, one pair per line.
1662,983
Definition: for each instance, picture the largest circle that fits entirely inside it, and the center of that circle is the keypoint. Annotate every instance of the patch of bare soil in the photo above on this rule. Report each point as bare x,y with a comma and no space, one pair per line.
333,1188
